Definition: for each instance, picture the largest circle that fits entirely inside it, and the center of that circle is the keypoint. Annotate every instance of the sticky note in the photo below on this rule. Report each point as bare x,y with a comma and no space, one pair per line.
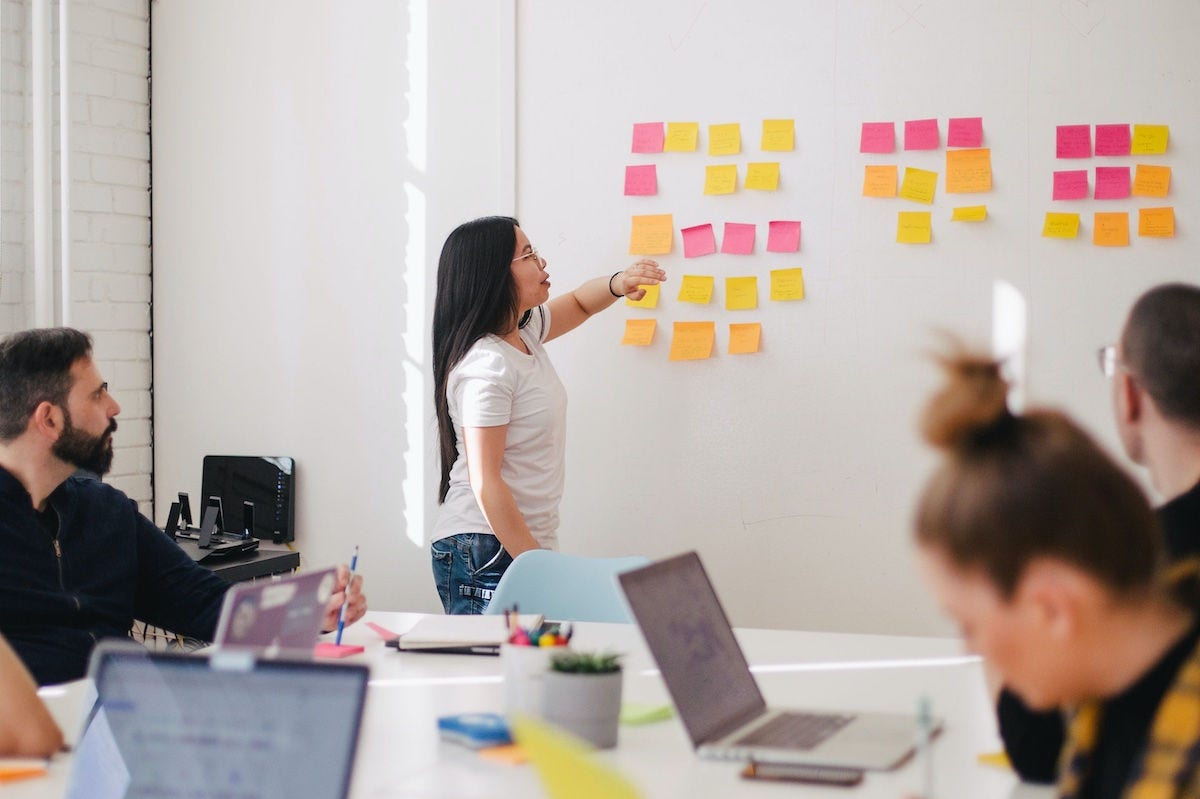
918,184
787,284
762,176
682,137
880,180
965,132
921,134
330,650
566,766
638,713
14,769
692,341
641,180
1071,184
741,293
505,754
725,139
778,135
744,337
639,332
653,234
877,137
783,235
720,179
1158,223
969,213
738,239
1111,229
650,300
1073,141
698,240
968,171
647,137
995,759
1112,139
1112,182
1149,140
697,289
914,227
1060,226
1151,181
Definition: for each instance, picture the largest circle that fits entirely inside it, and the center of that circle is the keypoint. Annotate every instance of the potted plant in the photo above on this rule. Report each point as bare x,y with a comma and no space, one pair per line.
582,694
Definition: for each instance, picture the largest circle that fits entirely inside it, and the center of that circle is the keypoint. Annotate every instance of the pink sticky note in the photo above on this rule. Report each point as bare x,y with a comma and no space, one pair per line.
1112,139
738,239
1112,182
1074,141
1071,185
641,179
921,134
382,632
877,137
698,240
965,132
328,649
648,137
783,236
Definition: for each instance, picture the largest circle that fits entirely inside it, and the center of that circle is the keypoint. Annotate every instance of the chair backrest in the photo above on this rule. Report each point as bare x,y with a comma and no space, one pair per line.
565,587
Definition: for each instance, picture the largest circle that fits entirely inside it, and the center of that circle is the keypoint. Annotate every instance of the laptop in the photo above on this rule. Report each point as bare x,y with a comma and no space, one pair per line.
716,696
221,725
273,617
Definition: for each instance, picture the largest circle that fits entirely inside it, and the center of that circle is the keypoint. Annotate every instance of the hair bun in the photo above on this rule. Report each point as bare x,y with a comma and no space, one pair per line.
972,403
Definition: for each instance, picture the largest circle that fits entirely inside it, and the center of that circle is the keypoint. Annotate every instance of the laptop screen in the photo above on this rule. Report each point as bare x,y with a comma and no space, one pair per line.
689,635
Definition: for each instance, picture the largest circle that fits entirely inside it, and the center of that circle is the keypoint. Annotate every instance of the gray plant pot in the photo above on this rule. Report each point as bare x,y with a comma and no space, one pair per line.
586,705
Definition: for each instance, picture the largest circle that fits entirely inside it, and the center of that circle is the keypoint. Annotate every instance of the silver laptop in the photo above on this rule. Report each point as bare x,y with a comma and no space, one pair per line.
275,617
716,695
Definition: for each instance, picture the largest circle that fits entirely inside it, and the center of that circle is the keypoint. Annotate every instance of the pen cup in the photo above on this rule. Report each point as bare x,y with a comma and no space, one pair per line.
524,667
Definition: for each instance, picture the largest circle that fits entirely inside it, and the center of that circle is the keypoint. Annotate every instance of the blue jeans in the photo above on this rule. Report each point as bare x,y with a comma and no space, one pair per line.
466,569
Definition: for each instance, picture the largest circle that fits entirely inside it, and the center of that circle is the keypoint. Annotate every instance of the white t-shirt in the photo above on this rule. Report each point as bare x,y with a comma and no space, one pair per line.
496,384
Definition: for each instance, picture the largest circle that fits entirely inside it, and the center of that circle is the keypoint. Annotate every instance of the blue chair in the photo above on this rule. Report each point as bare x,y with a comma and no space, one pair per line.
565,587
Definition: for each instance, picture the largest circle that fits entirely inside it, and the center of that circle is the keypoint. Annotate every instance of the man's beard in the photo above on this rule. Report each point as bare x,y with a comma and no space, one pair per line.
91,453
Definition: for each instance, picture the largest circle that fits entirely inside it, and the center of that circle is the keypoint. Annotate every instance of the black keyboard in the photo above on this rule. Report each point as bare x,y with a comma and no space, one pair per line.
795,730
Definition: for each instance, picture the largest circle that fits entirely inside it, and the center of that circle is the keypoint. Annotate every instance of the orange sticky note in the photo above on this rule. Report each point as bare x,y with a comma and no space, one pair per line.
682,137
968,170
1151,181
880,180
693,341
763,176
639,332
1156,223
1060,226
918,184
653,234
969,213
649,301
744,338
507,754
720,179
741,293
778,135
1149,140
725,139
787,284
1111,229
914,227
696,288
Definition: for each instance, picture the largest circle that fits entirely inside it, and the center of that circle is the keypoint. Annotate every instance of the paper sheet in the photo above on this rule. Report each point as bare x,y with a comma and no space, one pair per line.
918,185
1112,139
639,332
565,766
1157,223
921,134
969,213
1151,181
697,289
698,240
738,239
720,179
762,176
914,227
1071,184
778,135
653,234
787,284
783,235
641,180
1111,229
1060,226
744,338
879,180
1112,182
1149,140
968,171
741,293
965,132
692,341
647,137
725,139
650,300
877,137
1073,141
682,137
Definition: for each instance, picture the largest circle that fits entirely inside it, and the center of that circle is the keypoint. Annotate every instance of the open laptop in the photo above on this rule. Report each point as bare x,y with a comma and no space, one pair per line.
221,725
274,617
716,696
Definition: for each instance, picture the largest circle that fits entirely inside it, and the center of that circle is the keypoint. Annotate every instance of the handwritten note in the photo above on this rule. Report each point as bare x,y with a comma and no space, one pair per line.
921,134
965,132
1073,141
762,176
783,235
698,240
914,227
1149,140
650,300
1157,223
1060,226
918,185
697,289
744,338
1112,139
787,284
969,213
741,293
877,137
880,180
653,234
639,332
720,179
778,135
1111,229
682,137
647,137
641,180
1151,181
1112,182
1071,184
725,139
693,341
968,171
738,239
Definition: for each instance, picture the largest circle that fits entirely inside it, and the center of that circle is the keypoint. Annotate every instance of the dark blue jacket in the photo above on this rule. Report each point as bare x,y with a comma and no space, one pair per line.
108,566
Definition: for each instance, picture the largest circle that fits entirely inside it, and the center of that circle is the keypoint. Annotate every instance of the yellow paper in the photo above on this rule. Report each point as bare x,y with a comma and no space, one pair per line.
681,137
762,176
1111,229
1151,181
725,139
744,338
693,341
968,171
1157,223
1149,140
919,185
787,284
1060,226
996,759
565,765
741,293
653,234
721,179
880,181
639,332
969,213
696,288
914,227
778,135
649,301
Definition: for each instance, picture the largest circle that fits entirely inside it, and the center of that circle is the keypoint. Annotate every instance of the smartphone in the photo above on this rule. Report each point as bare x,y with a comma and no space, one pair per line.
793,772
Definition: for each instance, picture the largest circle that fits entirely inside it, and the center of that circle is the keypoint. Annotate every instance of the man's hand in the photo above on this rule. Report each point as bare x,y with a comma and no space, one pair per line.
358,600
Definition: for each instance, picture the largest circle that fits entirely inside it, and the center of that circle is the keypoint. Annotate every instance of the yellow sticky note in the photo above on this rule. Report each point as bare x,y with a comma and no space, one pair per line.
778,135
682,137
763,176
652,234
1156,223
968,171
744,338
918,184
969,213
741,293
996,759
880,180
693,341
565,764
720,179
1151,181
649,301
1149,140
639,332
914,227
1111,229
696,288
787,284
1060,226
725,139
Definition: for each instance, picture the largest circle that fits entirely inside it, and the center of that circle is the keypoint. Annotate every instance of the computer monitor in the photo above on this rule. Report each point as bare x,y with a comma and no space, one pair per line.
268,482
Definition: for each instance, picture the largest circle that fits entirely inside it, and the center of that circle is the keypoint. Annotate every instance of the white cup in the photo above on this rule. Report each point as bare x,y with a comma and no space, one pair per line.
523,668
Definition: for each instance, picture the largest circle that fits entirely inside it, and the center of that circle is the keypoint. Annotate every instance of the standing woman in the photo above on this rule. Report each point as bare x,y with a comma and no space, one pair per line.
501,409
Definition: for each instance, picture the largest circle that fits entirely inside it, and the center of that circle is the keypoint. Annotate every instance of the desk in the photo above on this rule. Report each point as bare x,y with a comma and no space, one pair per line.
268,559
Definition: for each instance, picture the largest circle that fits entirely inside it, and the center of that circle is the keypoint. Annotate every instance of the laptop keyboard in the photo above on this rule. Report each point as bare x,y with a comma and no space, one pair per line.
795,730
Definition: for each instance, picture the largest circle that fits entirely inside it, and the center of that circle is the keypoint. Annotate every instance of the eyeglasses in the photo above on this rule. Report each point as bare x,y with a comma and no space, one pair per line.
533,253
1107,358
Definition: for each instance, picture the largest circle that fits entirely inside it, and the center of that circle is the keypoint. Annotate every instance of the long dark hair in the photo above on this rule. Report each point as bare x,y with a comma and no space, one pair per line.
476,295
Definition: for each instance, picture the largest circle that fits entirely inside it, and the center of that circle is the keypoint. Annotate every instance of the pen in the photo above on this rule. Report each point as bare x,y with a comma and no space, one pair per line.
337,641
924,736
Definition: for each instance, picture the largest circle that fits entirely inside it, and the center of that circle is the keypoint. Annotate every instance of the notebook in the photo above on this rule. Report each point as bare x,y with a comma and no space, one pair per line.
717,697
468,635
276,617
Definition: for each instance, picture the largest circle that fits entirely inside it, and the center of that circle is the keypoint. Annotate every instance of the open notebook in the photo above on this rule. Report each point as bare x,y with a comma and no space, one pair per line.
469,635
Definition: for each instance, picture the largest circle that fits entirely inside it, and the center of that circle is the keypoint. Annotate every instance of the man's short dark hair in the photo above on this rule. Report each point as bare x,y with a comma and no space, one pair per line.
35,367
1161,348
